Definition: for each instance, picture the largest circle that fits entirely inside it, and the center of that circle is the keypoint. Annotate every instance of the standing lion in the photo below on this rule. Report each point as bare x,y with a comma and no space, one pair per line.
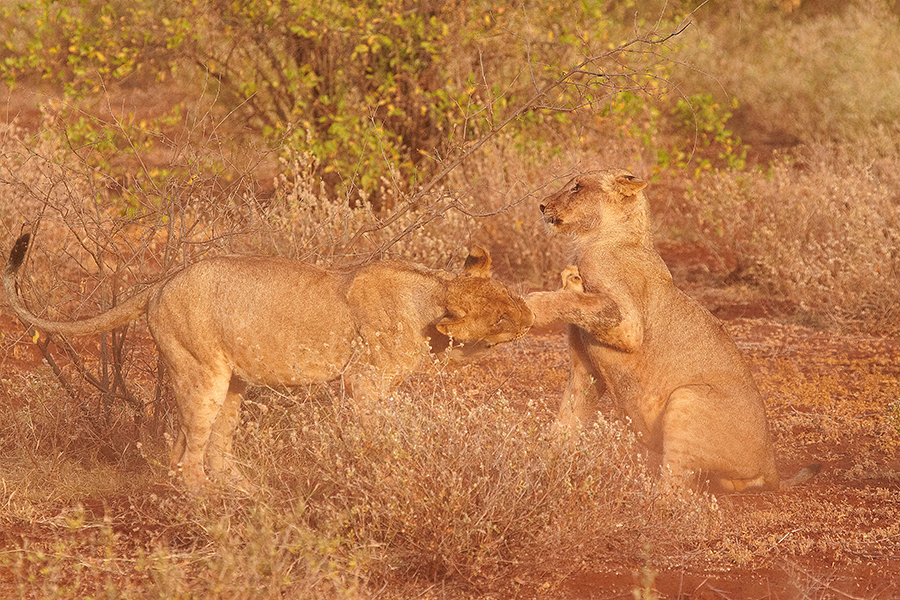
224,323
663,359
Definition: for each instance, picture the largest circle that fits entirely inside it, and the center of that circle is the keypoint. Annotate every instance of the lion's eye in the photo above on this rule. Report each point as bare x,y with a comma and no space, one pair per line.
576,188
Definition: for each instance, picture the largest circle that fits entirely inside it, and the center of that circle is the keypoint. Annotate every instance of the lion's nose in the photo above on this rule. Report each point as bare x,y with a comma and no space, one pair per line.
542,208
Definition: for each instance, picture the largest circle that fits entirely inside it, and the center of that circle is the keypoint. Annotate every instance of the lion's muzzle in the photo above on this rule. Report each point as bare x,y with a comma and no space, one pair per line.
549,216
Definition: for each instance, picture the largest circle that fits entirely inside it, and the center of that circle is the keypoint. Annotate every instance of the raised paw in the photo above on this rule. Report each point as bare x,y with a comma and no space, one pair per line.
571,279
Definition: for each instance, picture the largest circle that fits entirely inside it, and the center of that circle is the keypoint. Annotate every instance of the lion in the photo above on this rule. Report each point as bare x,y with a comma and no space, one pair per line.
224,323
664,361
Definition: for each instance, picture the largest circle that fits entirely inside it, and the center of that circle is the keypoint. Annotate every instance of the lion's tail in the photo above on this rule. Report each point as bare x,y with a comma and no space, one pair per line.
119,315
803,475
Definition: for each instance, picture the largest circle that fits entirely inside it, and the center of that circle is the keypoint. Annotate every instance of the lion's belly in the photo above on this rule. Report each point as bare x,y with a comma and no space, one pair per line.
290,356
288,364
269,321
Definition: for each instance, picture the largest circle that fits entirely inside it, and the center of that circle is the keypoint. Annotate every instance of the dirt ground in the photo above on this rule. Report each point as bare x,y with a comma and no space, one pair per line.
836,536
832,399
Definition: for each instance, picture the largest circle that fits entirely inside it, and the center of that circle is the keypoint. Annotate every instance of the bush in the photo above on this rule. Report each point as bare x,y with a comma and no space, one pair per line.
819,229
440,486
382,94
814,75
428,485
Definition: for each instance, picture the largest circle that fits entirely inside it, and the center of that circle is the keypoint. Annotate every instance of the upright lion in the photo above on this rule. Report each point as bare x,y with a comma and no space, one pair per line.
634,337
226,322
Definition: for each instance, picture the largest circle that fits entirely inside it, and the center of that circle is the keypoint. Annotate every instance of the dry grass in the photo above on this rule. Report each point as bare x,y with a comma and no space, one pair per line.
823,72
458,482
440,483
818,229
456,485
468,488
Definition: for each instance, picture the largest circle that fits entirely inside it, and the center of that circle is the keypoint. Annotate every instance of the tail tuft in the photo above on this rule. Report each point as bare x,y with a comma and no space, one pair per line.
804,475
17,255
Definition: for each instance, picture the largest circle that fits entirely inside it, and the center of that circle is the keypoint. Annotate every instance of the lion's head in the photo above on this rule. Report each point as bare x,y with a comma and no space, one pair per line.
480,308
595,201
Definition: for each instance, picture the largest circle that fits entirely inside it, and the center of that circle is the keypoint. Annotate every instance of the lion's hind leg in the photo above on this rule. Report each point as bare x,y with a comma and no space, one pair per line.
740,485
200,393
220,461
703,436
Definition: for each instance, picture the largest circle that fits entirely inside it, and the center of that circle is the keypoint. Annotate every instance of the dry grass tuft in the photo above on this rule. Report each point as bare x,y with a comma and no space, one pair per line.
463,489
819,230
440,487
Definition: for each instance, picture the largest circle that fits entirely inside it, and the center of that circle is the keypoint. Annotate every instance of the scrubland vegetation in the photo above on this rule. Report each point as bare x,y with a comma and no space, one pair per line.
142,137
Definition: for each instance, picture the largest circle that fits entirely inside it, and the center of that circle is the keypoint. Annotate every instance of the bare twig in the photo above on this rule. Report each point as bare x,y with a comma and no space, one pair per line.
535,101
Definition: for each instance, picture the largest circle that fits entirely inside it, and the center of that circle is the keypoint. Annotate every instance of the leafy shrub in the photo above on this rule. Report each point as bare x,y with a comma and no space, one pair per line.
708,140
87,45
381,93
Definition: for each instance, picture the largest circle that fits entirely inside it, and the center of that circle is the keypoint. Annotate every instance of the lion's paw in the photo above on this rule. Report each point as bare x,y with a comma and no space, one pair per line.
571,279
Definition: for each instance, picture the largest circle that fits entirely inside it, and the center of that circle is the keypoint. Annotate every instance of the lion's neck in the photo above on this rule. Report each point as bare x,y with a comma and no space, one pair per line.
614,246
623,259
613,239
436,291
620,228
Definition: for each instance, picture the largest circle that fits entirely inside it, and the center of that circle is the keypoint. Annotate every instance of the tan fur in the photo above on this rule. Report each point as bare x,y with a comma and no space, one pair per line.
227,322
634,337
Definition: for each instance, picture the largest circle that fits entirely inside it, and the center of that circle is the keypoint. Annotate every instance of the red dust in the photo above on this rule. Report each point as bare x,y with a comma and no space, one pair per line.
831,398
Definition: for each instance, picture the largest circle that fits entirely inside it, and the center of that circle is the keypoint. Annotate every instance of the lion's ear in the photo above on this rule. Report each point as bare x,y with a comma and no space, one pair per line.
629,185
478,263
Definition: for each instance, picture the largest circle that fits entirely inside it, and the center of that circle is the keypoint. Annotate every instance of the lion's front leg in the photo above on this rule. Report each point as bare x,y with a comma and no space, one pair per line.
581,400
383,357
594,312
545,306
